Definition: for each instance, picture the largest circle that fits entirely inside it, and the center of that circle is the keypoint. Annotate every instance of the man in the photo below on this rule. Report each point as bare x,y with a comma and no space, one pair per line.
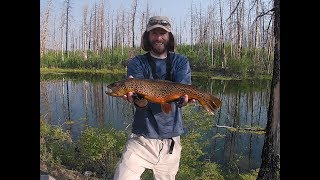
155,139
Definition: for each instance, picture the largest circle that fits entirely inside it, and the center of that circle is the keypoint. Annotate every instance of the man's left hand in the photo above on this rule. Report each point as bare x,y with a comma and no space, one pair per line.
184,100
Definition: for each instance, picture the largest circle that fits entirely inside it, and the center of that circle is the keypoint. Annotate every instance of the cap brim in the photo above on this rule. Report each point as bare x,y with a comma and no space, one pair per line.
158,26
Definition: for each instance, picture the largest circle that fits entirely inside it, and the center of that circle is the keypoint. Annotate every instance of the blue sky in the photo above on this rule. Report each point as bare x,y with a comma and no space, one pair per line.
174,9
178,11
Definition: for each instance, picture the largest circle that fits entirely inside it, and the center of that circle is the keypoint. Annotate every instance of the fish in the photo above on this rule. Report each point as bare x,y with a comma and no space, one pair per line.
163,92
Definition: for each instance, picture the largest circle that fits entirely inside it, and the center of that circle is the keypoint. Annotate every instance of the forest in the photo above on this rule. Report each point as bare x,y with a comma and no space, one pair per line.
228,37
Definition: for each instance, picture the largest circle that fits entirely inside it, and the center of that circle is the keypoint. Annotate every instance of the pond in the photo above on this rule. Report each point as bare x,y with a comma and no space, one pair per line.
81,99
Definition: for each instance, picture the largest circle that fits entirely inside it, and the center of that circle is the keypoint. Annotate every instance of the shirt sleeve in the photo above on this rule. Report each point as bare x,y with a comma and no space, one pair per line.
183,71
135,68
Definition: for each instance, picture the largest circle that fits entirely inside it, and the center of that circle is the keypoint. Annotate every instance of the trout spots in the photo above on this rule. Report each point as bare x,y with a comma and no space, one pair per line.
163,92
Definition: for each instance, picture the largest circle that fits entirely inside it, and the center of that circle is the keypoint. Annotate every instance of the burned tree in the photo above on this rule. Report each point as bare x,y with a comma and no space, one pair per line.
270,166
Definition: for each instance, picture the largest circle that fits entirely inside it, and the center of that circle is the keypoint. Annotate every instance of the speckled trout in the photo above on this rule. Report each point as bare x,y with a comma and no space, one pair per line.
163,92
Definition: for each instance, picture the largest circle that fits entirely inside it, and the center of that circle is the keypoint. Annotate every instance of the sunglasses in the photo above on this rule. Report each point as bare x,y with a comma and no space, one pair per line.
161,22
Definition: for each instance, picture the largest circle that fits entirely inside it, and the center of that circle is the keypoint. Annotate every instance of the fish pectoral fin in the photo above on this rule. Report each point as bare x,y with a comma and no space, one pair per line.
166,108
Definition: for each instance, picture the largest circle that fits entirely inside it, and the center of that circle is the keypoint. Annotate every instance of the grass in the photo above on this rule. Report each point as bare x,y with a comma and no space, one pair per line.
99,149
97,71
123,71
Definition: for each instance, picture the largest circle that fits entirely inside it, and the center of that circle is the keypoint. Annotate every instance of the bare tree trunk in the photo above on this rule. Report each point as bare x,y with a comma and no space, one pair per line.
108,31
62,24
94,32
55,46
249,35
123,31
68,9
201,31
270,45
101,24
90,33
134,11
147,12
270,42
231,29
211,37
112,40
256,38
270,166
44,30
85,33
222,50
240,20
142,27
72,45
191,25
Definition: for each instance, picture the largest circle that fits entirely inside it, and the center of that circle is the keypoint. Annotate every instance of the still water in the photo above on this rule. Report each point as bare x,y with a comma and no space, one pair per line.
81,99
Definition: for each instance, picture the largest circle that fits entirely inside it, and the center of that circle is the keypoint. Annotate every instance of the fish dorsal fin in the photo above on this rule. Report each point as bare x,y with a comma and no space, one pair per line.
166,108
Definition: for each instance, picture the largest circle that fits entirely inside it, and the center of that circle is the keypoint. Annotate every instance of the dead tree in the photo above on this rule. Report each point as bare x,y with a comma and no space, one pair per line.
68,10
222,49
85,32
240,21
270,166
134,11
101,25
44,28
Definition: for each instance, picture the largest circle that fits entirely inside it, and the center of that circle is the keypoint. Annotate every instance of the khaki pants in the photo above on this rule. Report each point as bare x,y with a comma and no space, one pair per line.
141,153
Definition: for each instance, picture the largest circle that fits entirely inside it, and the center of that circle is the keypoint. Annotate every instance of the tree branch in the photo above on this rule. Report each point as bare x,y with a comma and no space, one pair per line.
262,14
239,129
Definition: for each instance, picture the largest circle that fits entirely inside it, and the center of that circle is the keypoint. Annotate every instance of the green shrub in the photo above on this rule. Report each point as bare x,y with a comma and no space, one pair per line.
99,150
55,144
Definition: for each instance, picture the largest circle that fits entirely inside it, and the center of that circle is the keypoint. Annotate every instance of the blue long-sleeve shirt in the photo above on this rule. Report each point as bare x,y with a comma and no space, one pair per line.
150,121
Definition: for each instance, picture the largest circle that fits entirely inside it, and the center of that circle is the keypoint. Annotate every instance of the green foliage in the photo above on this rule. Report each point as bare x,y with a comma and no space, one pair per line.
253,62
45,152
199,122
79,75
147,175
55,144
50,59
252,175
240,66
188,52
95,60
99,149
186,172
95,142
191,151
211,171
192,165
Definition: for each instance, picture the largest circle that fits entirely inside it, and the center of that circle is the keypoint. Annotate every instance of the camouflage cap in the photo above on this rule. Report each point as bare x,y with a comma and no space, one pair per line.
159,21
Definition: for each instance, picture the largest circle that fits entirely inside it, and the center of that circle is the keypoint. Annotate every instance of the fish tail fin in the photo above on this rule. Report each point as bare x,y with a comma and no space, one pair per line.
210,103
166,107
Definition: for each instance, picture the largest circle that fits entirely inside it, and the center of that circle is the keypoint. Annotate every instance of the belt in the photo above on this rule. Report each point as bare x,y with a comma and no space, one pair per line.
171,146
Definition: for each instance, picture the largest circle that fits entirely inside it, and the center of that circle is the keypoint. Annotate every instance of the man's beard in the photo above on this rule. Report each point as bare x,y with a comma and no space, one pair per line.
159,49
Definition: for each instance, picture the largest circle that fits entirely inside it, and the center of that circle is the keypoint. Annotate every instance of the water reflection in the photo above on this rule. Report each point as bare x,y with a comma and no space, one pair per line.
75,102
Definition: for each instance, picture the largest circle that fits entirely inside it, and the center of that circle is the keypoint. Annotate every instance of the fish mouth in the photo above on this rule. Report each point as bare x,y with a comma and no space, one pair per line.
109,91
112,91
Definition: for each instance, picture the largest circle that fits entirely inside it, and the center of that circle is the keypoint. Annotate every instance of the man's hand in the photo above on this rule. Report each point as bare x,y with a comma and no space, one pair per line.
134,98
184,100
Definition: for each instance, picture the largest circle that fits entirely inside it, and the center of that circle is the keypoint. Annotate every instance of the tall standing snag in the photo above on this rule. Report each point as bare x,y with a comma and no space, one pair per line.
270,166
